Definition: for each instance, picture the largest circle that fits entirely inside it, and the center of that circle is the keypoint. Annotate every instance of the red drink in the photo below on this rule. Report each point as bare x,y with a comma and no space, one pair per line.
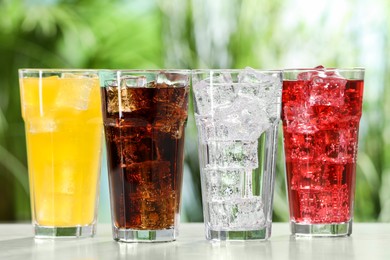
321,114
145,147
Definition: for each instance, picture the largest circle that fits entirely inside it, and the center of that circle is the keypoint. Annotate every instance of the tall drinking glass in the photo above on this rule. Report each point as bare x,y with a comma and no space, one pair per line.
63,122
237,114
145,113
321,110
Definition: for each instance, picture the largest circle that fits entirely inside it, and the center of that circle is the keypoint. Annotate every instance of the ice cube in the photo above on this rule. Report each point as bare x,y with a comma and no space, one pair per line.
231,128
135,151
308,75
132,94
302,147
339,117
249,89
175,129
202,100
295,92
326,87
171,119
250,213
245,119
335,173
217,78
222,95
252,76
327,91
154,173
222,91
231,114
127,99
223,78
172,79
233,154
264,89
339,146
113,94
250,113
110,83
329,117
207,129
308,175
308,201
249,75
335,206
209,99
133,82
224,183
41,125
171,114
237,214
299,118
259,84
134,99
177,96
154,211
213,92
74,91
325,206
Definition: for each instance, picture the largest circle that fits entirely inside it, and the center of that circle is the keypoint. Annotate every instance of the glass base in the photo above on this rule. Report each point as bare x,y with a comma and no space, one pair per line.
322,230
148,236
240,235
64,232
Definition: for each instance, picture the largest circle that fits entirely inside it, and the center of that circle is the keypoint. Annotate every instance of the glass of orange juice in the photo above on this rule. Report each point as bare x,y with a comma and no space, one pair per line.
62,115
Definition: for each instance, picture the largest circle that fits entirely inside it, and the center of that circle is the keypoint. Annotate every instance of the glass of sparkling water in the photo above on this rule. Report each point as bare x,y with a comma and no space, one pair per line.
237,114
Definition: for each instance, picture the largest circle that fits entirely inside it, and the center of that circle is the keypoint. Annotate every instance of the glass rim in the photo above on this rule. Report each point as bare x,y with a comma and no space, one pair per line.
200,71
139,71
55,70
351,69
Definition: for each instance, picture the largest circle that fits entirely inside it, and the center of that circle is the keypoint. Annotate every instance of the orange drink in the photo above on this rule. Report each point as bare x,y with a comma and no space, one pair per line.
63,122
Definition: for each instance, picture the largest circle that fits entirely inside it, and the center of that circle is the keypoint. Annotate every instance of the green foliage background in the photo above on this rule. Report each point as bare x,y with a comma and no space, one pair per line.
198,34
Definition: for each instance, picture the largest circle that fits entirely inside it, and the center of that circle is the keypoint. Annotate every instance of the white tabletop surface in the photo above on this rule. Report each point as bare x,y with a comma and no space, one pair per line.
368,242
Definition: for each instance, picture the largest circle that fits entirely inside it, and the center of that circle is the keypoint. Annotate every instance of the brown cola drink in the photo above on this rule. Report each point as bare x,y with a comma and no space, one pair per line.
144,123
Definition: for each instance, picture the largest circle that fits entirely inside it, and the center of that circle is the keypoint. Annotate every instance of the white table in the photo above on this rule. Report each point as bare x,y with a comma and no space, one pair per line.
368,242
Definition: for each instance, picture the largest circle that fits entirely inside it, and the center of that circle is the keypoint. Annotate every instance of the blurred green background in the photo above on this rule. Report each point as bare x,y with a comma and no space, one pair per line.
147,34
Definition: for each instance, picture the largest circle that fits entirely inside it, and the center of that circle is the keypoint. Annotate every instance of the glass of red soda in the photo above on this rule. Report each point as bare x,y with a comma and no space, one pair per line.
145,113
321,111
